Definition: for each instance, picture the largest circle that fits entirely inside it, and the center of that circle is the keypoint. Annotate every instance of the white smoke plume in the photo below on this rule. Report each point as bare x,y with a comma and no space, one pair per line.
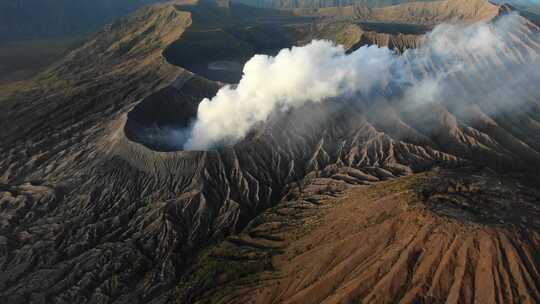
321,70
314,72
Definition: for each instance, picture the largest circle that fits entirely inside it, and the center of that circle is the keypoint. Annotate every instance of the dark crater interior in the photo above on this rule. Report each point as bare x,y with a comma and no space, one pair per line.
220,54
395,28
161,121
218,44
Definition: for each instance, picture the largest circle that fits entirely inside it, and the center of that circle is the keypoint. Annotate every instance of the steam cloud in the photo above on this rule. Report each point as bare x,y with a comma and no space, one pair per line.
321,70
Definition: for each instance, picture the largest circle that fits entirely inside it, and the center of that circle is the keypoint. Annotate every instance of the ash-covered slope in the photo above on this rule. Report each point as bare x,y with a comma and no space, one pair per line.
88,214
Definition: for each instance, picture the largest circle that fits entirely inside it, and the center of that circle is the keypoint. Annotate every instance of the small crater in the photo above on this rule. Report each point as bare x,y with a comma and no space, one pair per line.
162,121
485,198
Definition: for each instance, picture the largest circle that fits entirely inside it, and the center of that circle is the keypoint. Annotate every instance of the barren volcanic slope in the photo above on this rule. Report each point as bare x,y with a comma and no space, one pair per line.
328,202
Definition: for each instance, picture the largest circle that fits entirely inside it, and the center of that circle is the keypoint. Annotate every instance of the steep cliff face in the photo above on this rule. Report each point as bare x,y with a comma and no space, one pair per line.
92,212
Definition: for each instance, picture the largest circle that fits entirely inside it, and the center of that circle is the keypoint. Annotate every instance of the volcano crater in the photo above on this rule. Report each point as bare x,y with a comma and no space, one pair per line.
162,121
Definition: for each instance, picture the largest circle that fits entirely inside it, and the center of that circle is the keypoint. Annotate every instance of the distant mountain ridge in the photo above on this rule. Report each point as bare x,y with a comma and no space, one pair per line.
291,4
33,19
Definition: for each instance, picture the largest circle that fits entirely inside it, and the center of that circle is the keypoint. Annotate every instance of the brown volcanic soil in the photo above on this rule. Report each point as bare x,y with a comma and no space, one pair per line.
409,240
